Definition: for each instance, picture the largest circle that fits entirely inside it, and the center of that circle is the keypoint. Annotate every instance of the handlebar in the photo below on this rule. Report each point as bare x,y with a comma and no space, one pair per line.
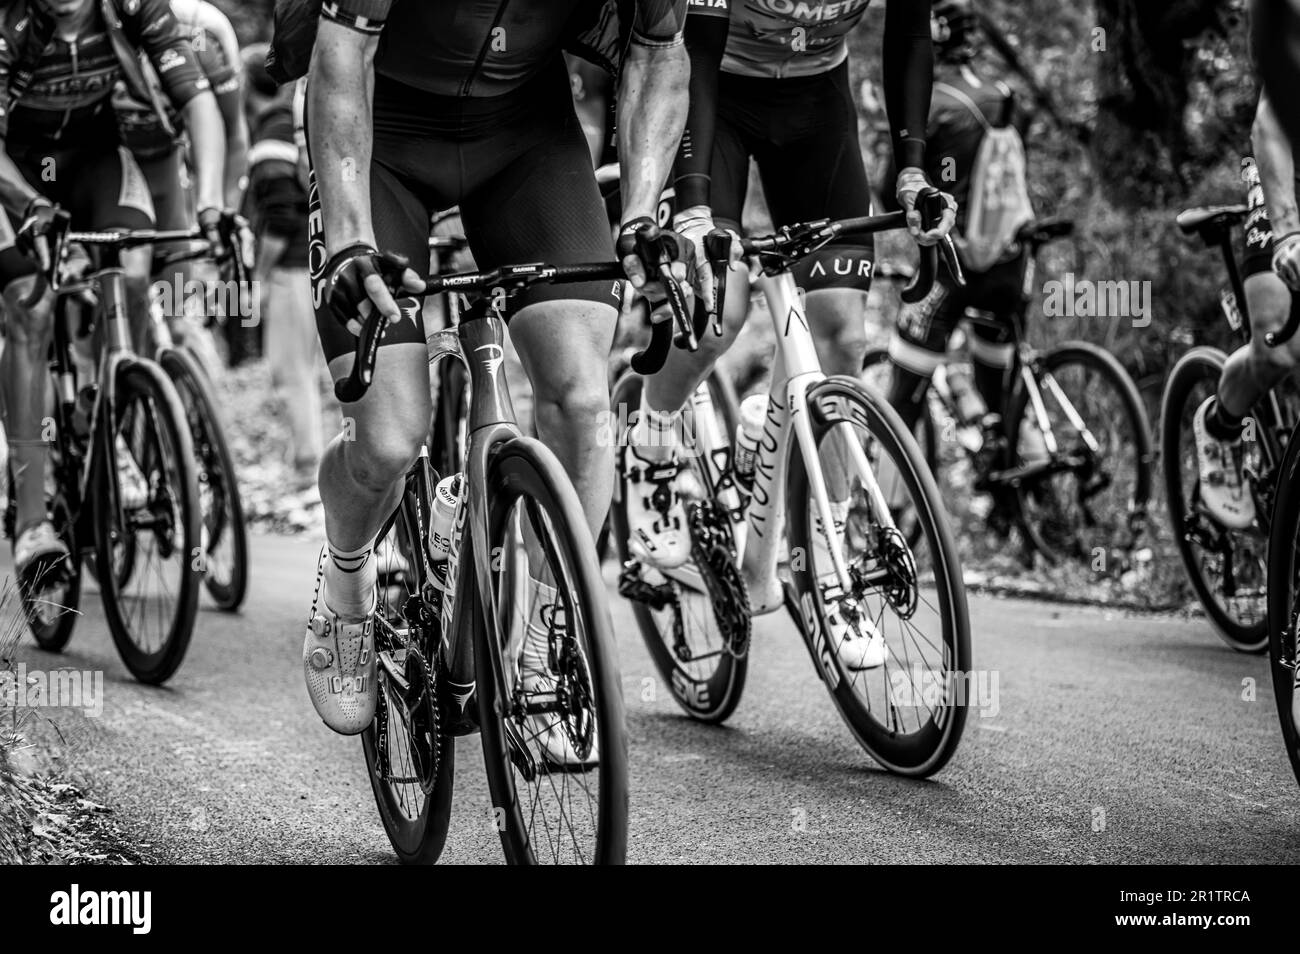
508,278
1284,334
50,251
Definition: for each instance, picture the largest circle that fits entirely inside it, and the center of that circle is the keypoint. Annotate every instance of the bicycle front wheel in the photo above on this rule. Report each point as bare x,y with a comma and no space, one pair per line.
908,712
1227,568
147,511
1087,498
225,538
548,684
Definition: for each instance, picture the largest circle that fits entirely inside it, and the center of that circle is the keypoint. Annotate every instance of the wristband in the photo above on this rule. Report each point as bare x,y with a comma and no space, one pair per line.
695,215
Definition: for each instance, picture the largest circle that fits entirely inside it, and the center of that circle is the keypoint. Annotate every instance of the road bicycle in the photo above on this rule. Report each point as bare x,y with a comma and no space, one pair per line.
449,655
224,554
821,435
1227,568
1071,463
145,543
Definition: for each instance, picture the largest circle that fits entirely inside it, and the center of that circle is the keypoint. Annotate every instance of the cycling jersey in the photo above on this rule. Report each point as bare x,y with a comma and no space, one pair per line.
62,88
482,48
216,51
779,38
783,41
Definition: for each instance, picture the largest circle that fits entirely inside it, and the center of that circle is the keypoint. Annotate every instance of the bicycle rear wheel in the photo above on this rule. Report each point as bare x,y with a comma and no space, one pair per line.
1084,499
51,598
410,759
225,538
909,713
151,609
1227,568
695,622
1284,597
548,808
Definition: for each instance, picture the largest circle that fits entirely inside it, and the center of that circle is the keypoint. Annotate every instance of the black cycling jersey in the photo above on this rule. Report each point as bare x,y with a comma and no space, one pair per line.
70,83
908,65
483,48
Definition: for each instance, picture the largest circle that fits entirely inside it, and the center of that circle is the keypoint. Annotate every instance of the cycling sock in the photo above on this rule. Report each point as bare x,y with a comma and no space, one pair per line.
350,577
1221,425
543,614
656,434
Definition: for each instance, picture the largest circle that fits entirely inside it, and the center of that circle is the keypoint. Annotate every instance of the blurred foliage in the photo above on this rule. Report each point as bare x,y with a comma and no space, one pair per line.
251,18
1163,88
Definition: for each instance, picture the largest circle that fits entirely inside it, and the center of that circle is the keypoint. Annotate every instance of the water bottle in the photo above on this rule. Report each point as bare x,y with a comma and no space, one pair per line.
446,497
753,413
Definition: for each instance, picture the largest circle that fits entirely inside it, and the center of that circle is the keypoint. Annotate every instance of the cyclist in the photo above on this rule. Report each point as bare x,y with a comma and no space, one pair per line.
1271,271
153,136
964,107
60,61
772,82
420,106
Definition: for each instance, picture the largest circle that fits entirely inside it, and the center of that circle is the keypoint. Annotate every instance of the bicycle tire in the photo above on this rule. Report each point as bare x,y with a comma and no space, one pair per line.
144,379
1200,366
216,472
417,837
523,469
843,400
1283,590
1087,355
53,634
705,697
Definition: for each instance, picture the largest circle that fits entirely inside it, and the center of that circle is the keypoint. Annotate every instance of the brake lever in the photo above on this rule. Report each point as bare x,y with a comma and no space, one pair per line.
949,252
931,206
352,388
717,248
650,247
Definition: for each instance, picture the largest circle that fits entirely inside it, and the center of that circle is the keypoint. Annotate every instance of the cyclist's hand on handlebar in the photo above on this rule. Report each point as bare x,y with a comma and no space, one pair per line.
1286,260
694,224
669,249
42,220
359,279
911,184
229,235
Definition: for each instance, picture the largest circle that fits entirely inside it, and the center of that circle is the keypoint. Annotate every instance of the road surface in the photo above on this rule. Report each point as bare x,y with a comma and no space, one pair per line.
1119,738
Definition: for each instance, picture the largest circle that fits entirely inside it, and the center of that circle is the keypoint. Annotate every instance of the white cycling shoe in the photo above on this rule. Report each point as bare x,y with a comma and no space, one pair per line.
658,533
37,550
858,645
1223,488
547,731
338,660
132,487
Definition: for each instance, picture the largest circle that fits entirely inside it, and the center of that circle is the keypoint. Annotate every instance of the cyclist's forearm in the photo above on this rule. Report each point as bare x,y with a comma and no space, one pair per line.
652,103
706,43
236,158
208,138
1276,169
908,63
340,94
15,193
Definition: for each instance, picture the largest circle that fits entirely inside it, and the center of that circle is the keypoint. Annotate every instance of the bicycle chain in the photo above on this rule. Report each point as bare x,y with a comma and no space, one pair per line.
714,551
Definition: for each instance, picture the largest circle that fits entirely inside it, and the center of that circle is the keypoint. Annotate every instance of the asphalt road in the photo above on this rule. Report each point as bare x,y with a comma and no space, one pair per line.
1119,738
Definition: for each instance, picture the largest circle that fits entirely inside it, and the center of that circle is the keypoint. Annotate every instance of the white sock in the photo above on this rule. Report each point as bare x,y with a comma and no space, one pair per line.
350,577
656,434
537,641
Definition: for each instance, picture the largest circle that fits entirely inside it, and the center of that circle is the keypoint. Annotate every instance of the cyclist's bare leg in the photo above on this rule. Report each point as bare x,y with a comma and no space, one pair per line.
564,347
837,317
363,467
24,385
669,389
1251,371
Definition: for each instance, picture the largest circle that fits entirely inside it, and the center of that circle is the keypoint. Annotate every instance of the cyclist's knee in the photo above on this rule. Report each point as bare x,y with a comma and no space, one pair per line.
1270,303
577,399
837,319
29,326
383,456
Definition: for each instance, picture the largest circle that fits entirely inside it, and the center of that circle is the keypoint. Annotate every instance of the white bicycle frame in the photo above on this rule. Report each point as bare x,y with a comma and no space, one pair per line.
795,371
